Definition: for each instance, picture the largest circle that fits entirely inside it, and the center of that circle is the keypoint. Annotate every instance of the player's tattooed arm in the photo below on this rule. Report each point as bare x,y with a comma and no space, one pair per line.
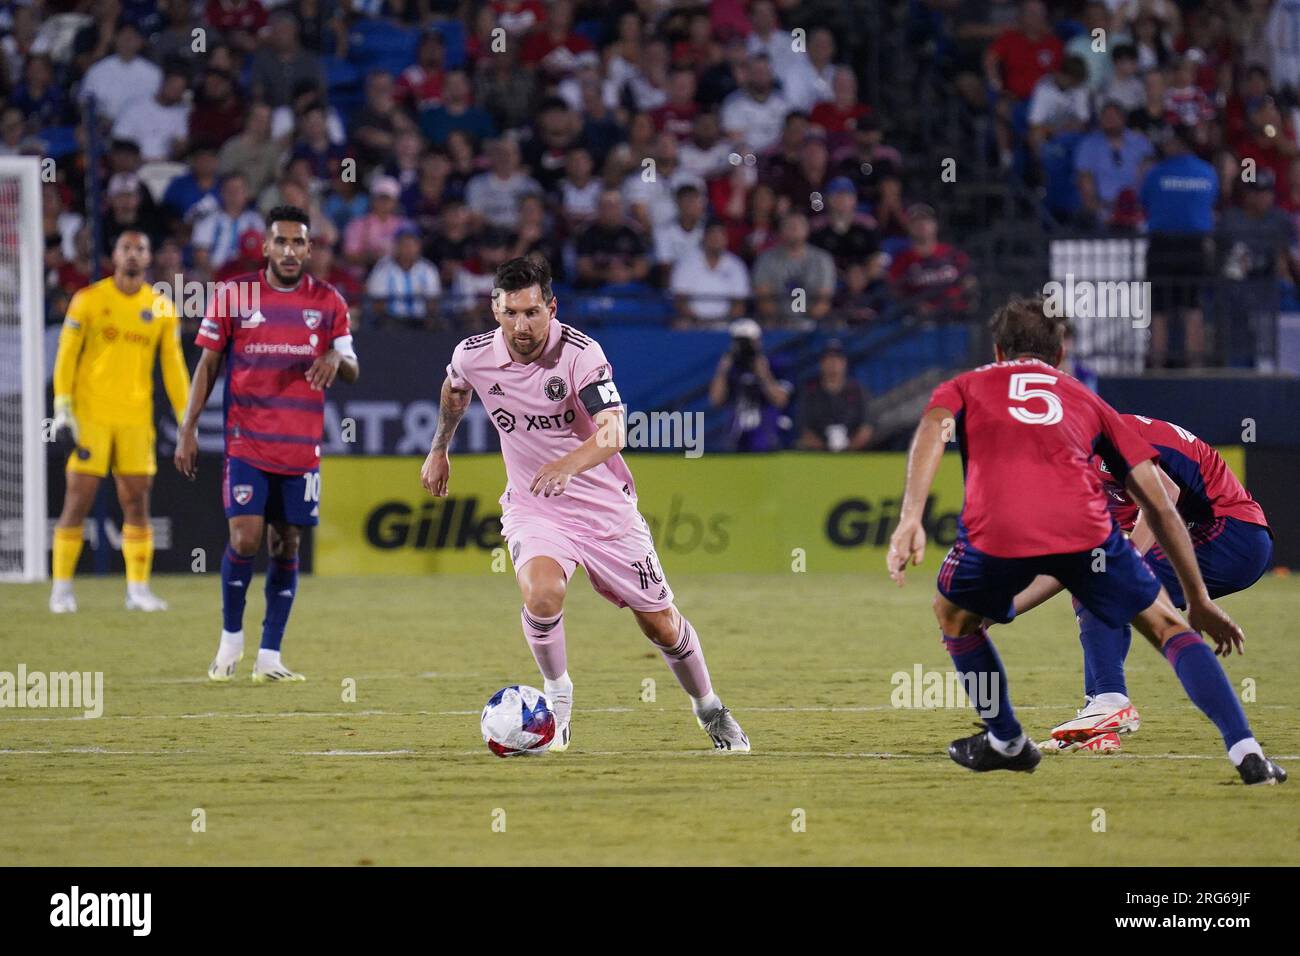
452,405
907,545
205,377
609,438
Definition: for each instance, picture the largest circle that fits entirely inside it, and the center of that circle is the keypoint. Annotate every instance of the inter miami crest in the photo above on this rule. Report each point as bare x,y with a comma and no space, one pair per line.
555,389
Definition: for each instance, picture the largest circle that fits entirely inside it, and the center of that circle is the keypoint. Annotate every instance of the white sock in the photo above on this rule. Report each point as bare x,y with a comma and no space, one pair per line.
705,705
61,588
268,659
136,588
1243,749
1115,700
1008,748
562,686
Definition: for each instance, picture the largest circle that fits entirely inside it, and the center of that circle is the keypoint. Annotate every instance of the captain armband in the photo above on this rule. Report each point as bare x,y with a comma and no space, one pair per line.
343,345
599,396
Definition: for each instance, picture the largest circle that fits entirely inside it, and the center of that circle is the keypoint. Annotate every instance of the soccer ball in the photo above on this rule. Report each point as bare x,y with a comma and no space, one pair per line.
518,720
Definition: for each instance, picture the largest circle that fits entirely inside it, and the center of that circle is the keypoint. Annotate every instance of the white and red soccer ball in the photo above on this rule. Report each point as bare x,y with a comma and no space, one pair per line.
518,720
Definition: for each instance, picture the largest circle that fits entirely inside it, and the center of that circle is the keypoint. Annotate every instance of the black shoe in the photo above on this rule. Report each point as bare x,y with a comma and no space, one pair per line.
1256,769
976,753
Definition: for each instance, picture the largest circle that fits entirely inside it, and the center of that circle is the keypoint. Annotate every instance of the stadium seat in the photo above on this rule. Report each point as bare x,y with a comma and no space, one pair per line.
379,45
454,48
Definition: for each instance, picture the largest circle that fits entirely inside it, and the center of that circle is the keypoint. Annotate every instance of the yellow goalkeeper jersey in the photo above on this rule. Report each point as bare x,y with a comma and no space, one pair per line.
106,354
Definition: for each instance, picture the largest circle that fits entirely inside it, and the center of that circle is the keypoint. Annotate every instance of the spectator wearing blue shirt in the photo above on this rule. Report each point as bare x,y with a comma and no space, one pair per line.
1109,161
193,195
1178,196
457,112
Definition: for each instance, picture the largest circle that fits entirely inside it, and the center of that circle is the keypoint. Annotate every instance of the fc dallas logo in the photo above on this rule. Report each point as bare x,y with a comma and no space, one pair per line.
311,317
242,494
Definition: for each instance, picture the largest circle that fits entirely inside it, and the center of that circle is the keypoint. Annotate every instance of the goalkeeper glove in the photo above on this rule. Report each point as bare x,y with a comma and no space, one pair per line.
64,419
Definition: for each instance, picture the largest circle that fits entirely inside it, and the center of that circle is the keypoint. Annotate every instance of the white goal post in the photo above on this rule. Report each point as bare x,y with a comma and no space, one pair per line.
23,520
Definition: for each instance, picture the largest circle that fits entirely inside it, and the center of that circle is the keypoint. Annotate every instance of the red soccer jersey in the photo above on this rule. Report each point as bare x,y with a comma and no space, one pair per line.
274,419
1207,487
1027,433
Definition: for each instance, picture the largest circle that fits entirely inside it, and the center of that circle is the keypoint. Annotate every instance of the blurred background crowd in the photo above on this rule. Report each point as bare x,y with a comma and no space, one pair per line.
741,165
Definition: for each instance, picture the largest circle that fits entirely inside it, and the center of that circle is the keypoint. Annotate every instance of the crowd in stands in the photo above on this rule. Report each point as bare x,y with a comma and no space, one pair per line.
678,163
684,164
1177,120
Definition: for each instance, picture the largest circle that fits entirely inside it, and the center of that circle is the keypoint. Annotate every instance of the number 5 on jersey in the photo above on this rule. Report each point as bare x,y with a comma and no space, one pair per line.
1020,389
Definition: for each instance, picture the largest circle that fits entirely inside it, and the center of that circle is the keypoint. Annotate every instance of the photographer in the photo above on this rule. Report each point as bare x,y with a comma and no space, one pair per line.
744,380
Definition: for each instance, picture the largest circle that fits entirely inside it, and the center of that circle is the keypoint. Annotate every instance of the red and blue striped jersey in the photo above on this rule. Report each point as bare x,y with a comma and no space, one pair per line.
1207,487
270,337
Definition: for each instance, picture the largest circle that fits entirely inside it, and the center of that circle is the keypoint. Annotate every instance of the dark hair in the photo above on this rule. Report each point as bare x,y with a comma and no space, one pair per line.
524,272
1023,329
287,214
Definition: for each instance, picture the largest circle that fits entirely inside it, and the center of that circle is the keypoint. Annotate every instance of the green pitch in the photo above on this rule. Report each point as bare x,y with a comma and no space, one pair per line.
301,774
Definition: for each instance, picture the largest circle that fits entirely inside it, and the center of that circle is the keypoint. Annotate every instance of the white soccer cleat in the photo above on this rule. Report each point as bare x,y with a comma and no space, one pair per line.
1101,744
63,603
562,707
724,731
222,668
142,599
1097,718
275,674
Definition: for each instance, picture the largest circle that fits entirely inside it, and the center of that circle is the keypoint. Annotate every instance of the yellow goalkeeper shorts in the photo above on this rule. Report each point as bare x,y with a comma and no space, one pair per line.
127,449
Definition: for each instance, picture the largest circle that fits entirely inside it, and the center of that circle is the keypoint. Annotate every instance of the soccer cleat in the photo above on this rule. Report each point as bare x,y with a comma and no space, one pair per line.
562,707
1107,743
63,603
724,731
1102,743
223,671
976,753
1097,719
1256,769
276,674
144,600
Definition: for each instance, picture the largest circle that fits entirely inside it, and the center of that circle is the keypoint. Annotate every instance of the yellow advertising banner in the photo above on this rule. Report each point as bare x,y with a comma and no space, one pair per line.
716,513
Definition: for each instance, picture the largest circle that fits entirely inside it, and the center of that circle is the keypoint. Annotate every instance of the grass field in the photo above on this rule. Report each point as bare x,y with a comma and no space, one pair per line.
296,775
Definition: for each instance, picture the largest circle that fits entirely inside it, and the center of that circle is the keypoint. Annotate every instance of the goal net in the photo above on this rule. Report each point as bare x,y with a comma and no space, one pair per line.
23,524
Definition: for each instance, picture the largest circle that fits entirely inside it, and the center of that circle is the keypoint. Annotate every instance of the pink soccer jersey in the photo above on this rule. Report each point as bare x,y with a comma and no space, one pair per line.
540,416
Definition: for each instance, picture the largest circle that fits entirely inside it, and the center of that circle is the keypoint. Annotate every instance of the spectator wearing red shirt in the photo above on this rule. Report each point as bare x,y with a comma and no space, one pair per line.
839,116
1024,54
419,86
219,111
931,277
239,21
677,116
554,48
1013,65
1270,142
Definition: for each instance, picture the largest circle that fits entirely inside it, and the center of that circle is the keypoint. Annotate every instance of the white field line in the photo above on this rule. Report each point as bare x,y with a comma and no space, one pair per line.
221,715
780,754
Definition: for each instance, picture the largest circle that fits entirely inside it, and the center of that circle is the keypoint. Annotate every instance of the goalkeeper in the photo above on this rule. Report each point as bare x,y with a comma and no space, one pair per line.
103,402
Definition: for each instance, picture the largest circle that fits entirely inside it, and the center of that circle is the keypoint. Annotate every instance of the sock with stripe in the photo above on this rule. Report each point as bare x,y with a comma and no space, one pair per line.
982,675
137,552
1104,651
1208,687
281,586
545,637
236,575
686,660
66,551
